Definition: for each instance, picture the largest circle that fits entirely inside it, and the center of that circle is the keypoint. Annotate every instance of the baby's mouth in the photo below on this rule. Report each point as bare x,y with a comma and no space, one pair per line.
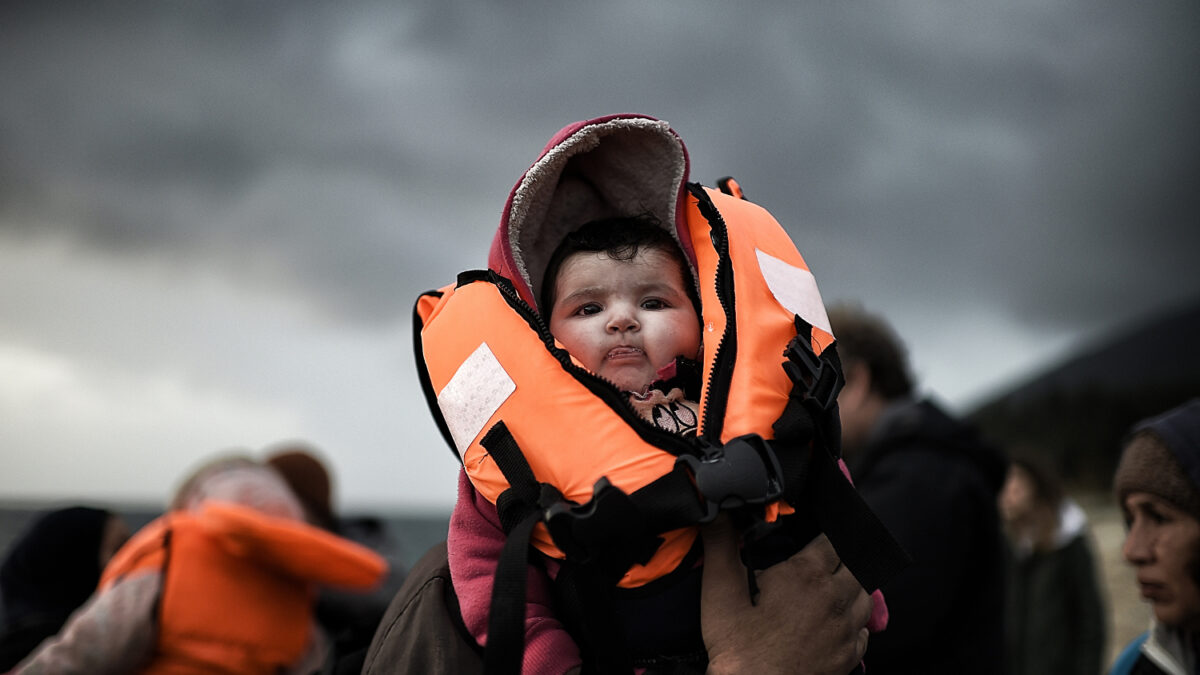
624,352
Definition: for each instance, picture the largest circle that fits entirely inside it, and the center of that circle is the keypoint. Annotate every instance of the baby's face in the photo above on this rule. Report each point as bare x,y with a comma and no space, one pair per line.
624,319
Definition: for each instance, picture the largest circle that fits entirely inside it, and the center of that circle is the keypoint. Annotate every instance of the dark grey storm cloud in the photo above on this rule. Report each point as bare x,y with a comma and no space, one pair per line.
1037,157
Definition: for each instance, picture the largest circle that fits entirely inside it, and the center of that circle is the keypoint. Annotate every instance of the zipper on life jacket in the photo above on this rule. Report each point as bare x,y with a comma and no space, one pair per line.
720,375
601,388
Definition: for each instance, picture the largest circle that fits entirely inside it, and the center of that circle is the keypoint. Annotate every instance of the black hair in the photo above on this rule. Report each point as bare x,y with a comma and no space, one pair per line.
870,340
1047,489
619,238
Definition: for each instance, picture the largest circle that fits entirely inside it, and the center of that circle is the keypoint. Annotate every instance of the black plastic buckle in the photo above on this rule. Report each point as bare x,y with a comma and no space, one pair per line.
609,530
820,380
742,472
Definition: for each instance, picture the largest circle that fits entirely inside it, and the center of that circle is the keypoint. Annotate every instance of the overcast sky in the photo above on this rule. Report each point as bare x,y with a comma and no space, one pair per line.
215,216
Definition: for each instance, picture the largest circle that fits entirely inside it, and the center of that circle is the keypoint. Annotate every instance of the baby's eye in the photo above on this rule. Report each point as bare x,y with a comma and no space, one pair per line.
588,309
653,303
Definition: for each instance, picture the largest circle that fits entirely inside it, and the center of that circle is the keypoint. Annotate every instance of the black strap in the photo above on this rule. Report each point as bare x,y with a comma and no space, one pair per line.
582,590
524,492
859,537
808,445
505,648
584,602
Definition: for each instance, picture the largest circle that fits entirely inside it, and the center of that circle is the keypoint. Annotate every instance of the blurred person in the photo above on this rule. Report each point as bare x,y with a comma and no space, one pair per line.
221,583
934,483
1054,619
308,477
50,571
1157,485
349,618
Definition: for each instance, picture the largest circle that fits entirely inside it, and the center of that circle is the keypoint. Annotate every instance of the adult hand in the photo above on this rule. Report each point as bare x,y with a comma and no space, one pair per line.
810,618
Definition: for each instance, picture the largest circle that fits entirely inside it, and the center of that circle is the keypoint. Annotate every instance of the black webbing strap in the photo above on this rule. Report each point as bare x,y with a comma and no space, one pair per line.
520,509
582,591
861,540
615,530
505,648
585,606
808,444
524,492
670,501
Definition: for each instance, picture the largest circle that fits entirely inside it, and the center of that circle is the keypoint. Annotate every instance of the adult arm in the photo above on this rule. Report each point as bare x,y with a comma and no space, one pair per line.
111,633
810,617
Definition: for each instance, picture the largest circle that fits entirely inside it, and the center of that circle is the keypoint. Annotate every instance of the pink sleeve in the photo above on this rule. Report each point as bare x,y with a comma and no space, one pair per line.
474,543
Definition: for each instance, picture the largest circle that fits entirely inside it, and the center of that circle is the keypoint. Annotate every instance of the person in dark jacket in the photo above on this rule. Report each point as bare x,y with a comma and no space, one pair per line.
933,482
50,571
1055,619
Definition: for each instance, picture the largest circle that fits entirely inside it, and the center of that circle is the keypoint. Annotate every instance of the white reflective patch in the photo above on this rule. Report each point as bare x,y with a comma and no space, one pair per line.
473,395
795,289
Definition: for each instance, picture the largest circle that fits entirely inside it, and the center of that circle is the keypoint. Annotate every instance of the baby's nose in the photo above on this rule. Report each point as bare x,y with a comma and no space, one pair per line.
622,322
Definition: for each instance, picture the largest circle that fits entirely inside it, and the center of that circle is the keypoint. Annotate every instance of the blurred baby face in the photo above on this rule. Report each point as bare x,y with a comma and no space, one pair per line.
1163,545
624,319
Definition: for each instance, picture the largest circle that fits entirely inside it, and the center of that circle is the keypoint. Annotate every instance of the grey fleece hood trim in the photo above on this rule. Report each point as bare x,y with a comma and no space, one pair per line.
621,166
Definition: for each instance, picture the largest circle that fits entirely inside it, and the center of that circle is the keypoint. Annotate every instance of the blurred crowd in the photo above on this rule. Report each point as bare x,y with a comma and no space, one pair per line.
250,569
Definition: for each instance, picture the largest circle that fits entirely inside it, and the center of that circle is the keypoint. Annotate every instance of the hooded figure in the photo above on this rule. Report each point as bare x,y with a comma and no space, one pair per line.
539,435
48,573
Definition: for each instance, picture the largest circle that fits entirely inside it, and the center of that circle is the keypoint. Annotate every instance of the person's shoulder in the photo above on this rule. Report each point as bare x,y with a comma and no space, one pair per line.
947,445
422,630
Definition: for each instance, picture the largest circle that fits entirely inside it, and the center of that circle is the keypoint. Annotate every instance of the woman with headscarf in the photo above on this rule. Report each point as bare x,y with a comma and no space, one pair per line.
1158,487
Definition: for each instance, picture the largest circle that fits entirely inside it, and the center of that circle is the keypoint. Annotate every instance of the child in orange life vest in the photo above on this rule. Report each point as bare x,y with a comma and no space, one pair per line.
620,298
222,583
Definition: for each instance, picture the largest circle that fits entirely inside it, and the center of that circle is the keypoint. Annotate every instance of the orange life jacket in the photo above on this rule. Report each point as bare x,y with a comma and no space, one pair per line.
572,468
489,359
238,586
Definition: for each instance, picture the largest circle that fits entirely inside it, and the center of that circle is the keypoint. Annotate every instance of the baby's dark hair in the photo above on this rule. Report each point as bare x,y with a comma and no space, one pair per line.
619,238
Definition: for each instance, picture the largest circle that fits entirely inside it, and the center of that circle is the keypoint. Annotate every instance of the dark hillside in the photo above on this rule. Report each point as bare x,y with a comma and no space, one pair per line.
1077,413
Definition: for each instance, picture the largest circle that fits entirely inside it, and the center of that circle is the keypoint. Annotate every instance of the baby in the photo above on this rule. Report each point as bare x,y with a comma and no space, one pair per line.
620,298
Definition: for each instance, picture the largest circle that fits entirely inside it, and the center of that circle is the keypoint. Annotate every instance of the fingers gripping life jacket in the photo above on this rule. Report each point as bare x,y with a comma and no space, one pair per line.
570,465
237,586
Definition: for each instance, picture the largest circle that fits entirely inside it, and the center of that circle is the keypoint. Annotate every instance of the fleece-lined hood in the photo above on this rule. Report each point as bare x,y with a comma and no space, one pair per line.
619,165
